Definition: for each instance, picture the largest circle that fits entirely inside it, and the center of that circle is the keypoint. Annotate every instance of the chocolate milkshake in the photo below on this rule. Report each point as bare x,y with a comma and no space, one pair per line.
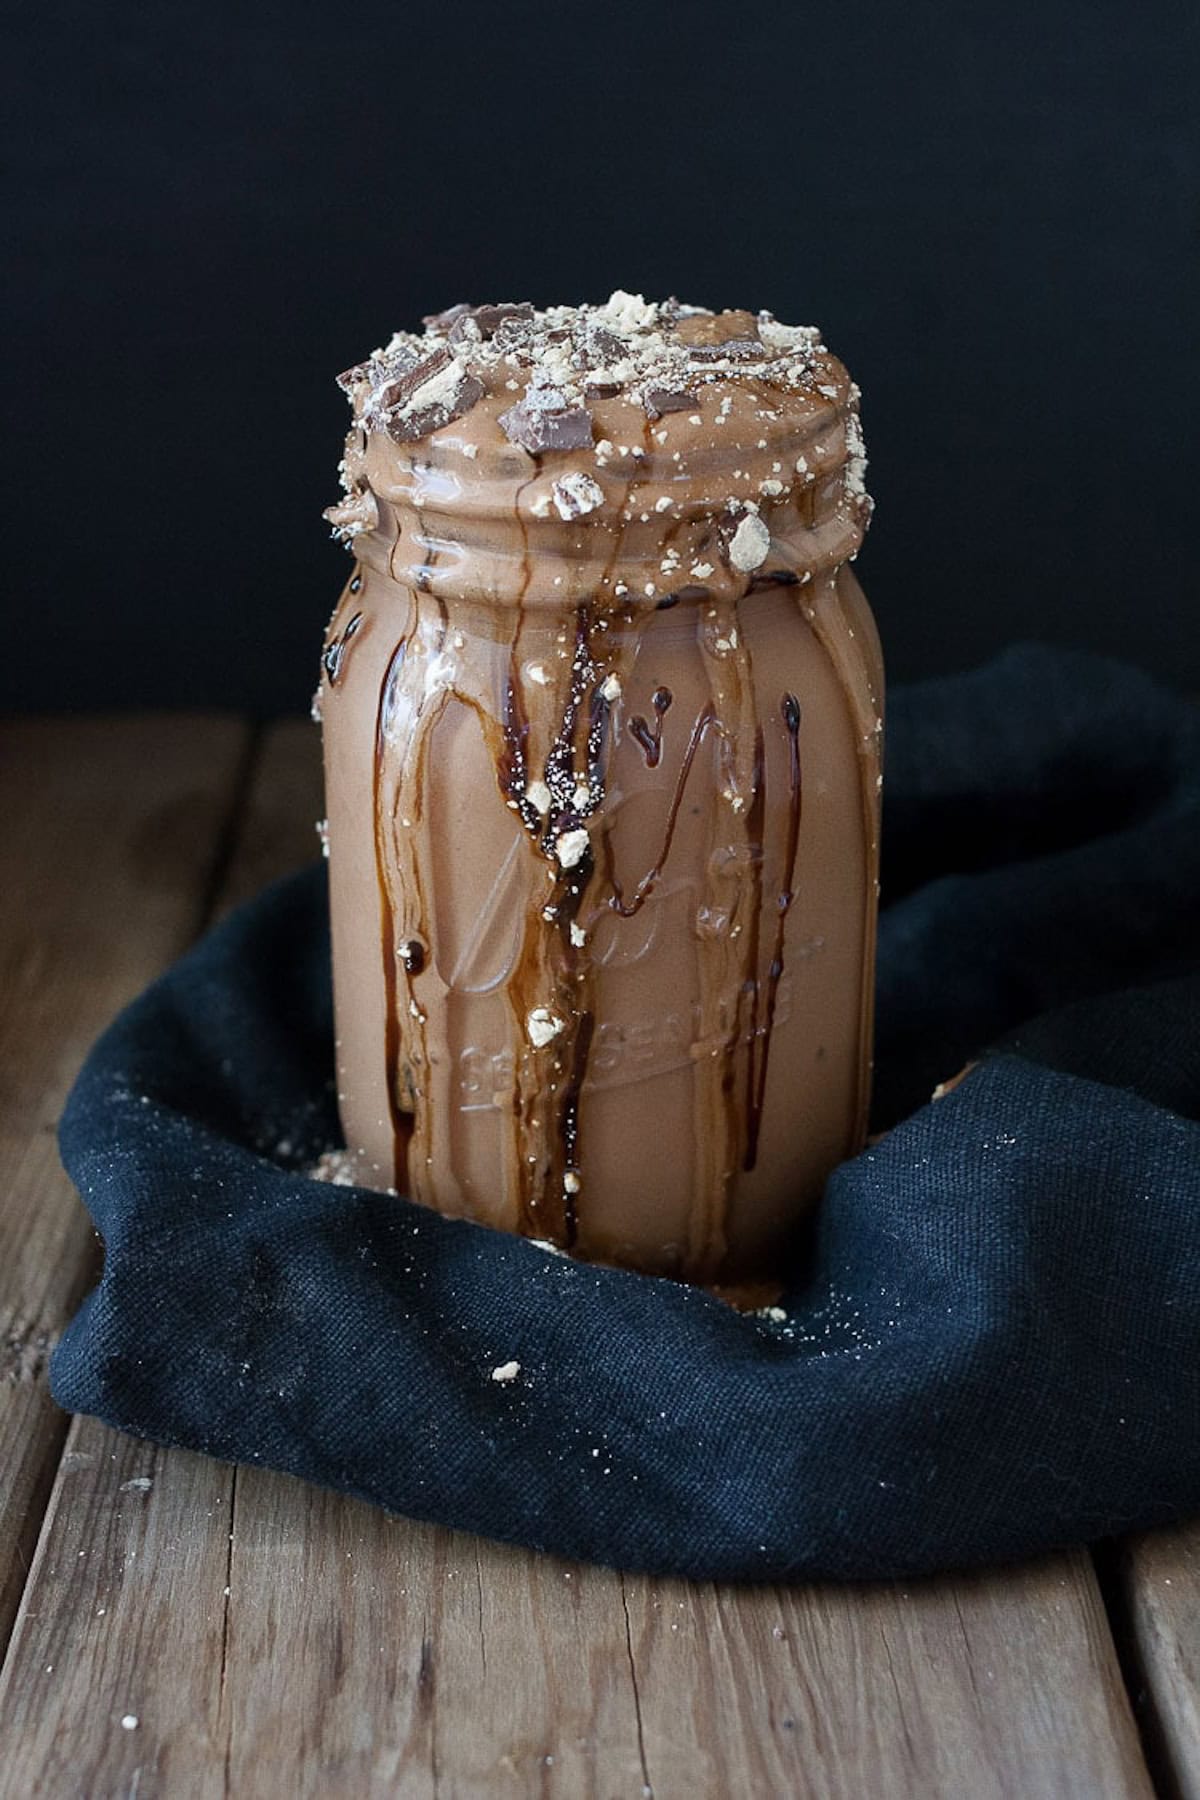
601,704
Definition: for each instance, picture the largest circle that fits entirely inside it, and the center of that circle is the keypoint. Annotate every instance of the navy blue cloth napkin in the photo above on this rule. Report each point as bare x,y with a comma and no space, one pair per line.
996,1349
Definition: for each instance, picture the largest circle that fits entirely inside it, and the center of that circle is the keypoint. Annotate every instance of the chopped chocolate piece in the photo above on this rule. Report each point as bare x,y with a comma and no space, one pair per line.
605,344
490,318
435,390
538,428
512,332
442,321
601,390
349,379
420,420
732,350
464,331
660,400
401,390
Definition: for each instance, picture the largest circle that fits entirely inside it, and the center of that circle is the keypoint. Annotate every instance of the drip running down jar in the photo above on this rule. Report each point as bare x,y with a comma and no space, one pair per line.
602,714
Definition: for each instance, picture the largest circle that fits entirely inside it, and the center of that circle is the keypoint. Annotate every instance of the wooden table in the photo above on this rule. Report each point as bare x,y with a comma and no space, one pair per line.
178,1627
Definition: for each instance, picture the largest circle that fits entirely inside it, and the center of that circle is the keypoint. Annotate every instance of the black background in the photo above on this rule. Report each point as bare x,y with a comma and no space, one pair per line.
989,210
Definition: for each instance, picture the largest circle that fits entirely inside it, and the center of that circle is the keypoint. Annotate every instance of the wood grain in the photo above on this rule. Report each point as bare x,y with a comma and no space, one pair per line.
125,1610
277,830
1001,1684
110,833
113,1680
1161,1580
369,1656
272,1639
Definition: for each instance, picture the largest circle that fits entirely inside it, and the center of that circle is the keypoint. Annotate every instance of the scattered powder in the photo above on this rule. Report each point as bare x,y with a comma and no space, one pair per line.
334,1166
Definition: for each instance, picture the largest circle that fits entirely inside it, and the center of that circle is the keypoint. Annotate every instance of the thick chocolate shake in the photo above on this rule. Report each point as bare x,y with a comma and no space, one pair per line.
601,703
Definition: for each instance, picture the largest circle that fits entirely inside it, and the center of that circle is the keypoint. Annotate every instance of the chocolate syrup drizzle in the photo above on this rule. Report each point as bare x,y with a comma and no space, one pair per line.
650,736
756,1080
628,908
574,776
550,1077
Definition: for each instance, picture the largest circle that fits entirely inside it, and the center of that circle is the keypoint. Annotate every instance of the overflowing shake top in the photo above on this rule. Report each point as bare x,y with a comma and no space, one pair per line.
718,431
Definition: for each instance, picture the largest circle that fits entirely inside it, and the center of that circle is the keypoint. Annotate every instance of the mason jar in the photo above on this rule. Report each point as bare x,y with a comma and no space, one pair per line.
602,728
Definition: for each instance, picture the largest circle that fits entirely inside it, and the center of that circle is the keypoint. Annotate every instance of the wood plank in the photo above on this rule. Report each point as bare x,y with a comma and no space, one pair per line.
369,1656
1160,1577
124,1613
110,832
324,1648
998,1684
278,829
113,1680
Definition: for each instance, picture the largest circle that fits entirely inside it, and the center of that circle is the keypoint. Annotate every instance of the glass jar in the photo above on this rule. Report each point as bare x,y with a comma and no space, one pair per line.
603,831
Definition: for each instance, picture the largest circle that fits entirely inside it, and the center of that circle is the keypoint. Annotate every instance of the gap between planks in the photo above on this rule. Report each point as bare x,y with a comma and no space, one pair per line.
303,1643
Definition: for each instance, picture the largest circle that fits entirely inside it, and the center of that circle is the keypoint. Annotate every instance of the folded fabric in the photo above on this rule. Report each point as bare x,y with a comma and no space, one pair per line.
996,1348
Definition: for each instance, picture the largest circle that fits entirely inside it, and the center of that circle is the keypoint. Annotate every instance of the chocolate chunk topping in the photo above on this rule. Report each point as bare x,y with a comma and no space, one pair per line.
399,392
465,325
539,427
556,362
349,379
490,318
427,396
660,400
732,350
605,344
444,320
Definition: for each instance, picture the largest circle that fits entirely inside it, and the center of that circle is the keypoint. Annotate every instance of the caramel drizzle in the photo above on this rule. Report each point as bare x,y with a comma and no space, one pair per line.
574,797
387,923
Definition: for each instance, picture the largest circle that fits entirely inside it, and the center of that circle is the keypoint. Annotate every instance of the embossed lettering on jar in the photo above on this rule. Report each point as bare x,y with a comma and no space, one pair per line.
601,704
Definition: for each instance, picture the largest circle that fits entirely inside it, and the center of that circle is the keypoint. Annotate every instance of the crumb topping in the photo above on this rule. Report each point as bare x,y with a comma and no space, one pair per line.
669,451
658,355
